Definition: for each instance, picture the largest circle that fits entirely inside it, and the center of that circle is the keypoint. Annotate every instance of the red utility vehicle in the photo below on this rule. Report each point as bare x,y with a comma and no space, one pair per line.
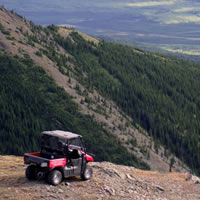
63,154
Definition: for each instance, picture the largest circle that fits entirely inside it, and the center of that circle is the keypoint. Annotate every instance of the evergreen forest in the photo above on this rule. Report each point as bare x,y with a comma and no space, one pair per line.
160,93
31,102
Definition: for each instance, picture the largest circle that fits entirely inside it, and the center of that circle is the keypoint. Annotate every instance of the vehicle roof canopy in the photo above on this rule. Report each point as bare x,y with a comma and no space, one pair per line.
61,134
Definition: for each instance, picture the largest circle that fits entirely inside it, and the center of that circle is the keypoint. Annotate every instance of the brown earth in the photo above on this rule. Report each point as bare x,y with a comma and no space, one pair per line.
109,182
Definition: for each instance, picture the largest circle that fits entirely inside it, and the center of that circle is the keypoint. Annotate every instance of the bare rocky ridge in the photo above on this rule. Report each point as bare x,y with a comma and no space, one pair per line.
112,118
109,182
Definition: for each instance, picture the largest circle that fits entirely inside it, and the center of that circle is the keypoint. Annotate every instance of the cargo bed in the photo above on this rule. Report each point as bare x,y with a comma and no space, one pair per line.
36,159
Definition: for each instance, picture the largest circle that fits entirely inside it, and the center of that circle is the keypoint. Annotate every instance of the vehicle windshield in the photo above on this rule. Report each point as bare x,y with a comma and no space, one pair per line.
51,143
75,142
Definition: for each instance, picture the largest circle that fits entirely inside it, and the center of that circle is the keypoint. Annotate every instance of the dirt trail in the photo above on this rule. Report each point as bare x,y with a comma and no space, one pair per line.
109,182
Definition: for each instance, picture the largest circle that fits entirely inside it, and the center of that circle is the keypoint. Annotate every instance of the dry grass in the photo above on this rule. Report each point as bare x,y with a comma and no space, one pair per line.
65,32
13,184
173,186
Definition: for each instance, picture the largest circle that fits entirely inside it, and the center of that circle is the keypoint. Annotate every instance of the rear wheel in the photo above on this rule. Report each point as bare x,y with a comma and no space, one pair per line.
31,172
55,177
87,174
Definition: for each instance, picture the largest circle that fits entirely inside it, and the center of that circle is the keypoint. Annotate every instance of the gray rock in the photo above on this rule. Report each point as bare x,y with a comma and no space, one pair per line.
110,190
130,177
193,178
60,191
48,188
67,184
53,196
121,175
130,191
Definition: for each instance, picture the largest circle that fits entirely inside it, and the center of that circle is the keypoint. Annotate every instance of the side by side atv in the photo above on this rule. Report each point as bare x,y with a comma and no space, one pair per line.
63,154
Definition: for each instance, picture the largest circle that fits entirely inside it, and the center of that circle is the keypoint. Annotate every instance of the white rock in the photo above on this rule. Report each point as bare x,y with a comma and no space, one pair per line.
60,190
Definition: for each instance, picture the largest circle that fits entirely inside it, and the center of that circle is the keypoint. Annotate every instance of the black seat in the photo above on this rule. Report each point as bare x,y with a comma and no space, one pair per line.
50,155
74,154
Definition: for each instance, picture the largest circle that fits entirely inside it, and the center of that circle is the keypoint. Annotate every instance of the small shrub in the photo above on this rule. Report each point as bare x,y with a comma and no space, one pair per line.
52,28
10,38
2,29
38,53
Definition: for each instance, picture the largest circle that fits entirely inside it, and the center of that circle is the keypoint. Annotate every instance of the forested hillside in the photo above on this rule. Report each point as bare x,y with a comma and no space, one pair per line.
30,102
160,93
154,93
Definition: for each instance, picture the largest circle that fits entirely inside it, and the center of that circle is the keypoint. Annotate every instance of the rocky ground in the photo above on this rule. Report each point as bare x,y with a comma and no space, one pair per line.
109,182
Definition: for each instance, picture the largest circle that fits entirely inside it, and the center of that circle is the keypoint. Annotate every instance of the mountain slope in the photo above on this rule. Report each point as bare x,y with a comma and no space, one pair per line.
31,102
121,88
109,181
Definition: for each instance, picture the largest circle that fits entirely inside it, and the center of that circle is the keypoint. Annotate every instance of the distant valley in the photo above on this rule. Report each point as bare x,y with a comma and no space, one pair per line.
162,26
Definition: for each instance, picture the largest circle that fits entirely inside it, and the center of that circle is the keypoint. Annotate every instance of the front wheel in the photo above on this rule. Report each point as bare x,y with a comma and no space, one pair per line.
31,172
87,174
55,177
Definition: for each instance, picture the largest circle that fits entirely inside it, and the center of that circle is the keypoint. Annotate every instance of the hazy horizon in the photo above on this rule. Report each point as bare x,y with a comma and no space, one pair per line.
171,25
